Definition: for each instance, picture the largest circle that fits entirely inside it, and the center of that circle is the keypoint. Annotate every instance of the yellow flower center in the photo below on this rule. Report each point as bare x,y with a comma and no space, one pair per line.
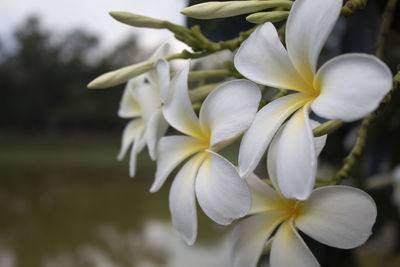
315,93
292,208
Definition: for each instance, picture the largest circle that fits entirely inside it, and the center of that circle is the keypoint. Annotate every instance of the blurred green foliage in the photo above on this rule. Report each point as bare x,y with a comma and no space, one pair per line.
58,193
43,80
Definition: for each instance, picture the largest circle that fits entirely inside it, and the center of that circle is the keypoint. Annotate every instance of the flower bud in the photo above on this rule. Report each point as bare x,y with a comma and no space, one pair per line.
121,75
213,10
272,16
137,20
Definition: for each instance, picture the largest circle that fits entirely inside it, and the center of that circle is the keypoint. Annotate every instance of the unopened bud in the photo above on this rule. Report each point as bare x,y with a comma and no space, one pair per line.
213,10
121,75
137,20
272,16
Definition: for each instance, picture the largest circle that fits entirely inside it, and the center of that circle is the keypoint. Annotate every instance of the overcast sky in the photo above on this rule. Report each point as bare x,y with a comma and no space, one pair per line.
62,15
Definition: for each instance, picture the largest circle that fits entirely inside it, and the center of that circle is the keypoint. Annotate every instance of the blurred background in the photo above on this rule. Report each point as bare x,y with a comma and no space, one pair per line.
66,201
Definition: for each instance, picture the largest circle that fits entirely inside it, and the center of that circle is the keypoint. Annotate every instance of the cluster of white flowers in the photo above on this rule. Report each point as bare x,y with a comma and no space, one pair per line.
345,88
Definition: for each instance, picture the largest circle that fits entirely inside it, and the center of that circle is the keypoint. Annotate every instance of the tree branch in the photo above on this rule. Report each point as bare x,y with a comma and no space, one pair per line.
387,18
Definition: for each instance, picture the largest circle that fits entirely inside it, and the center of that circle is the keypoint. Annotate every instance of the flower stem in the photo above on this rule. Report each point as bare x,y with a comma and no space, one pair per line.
387,18
327,127
353,5
205,74
202,91
350,160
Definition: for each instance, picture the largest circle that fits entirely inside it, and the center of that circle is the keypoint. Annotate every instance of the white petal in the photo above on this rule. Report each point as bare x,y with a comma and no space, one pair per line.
296,158
319,141
263,197
308,26
132,163
171,151
351,86
271,158
149,100
155,129
266,122
154,75
229,110
162,70
250,237
132,129
138,145
263,59
289,250
182,202
338,216
161,52
178,110
220,191
129,106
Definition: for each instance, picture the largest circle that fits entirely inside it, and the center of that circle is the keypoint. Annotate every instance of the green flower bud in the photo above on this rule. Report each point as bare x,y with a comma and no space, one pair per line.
137,20
213,10
121,75
272,16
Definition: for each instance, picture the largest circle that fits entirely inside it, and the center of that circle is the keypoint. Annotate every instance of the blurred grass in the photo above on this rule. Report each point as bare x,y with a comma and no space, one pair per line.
56,189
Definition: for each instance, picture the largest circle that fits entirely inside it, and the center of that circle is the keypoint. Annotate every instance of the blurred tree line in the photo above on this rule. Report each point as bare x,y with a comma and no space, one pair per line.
43,80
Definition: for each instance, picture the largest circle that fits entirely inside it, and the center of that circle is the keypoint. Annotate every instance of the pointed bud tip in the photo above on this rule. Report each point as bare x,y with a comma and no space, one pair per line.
136,20
91,85
184,12
118,14
94,85
115,14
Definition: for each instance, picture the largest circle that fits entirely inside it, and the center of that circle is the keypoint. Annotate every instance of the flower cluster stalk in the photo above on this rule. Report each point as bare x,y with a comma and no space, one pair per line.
353,5
387,18
362,134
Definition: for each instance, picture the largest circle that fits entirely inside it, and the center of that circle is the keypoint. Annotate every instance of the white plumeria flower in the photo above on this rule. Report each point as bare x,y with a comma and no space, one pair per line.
221,193
337,216
142,101
345,88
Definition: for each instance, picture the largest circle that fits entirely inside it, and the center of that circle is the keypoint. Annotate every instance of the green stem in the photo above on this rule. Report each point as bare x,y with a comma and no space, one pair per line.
387,18
327,127
173,56
323,181
353,5
205,74
234,43
202,91
196,106
281,92
198,42
350,160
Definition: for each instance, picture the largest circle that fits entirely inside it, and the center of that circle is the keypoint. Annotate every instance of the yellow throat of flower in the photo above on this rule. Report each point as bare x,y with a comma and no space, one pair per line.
292,208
